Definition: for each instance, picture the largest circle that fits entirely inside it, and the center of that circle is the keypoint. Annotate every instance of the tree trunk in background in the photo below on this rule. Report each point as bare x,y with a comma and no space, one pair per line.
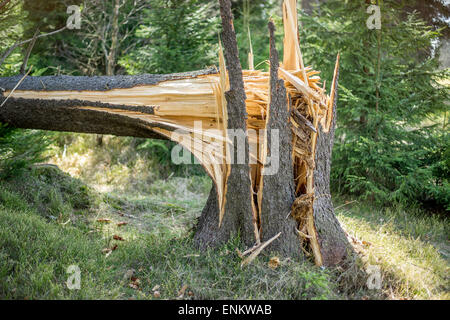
111,57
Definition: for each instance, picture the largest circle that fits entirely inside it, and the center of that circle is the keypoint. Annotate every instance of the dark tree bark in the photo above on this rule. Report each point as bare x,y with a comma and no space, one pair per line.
208,233
95,83
238,218
278,189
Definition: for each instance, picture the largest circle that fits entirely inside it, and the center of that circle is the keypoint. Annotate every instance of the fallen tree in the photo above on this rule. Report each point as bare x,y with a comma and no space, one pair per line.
291,210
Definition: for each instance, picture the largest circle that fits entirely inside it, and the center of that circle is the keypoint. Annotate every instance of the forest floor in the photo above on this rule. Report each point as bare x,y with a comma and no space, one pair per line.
129,230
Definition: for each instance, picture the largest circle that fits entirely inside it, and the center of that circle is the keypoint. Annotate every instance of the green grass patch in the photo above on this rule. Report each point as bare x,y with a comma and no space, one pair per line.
411,247
37,250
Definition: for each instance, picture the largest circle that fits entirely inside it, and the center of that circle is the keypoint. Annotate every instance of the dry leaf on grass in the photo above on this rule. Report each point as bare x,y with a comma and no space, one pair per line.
122,223
182,291
156,294
135,282
108,251
104,220
156,288
116,237
366,243
133,286
274,262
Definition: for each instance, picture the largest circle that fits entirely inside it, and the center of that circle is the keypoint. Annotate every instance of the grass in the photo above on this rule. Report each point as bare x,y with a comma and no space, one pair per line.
411,248
36,251
49,221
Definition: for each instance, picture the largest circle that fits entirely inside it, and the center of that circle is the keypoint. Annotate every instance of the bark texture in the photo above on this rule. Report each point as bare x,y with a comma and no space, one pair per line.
66,116
208,233
96,83
238,218
278,189
332,239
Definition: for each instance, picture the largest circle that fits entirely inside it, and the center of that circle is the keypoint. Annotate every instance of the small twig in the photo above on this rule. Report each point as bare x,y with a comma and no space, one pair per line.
239,253
20,43
28,53
18,84
63,224
345,204
302,234
258,250
248,251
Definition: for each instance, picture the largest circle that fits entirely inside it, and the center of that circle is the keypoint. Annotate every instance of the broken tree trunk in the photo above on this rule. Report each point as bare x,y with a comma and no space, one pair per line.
99,104
332,240
278,193
197,110
238,204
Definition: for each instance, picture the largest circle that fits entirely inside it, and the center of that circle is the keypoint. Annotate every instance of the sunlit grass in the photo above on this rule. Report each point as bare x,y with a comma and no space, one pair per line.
410,247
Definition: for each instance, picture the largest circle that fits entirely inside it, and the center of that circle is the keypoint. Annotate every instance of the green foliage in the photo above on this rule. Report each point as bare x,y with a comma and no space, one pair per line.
47,16
181,36
10,32
389,146
51,192
19,149
160,151
253,16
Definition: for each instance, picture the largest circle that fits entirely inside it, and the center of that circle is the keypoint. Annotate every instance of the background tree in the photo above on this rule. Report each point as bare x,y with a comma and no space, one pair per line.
11,30
251,24
390,145
179,36
107,33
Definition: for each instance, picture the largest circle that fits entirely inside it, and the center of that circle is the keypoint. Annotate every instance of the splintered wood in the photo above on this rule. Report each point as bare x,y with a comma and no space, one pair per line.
193,112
